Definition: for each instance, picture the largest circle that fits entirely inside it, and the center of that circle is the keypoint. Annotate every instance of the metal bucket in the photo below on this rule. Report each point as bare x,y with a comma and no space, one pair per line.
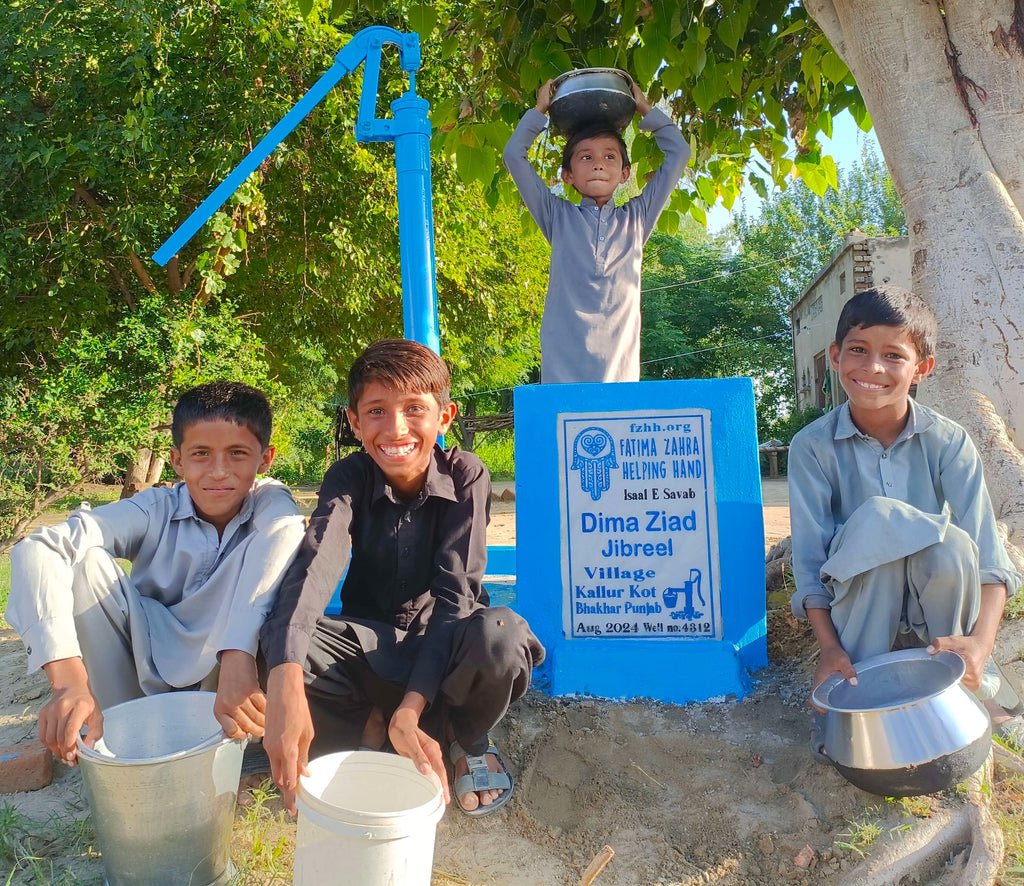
592,96
161,784
908,727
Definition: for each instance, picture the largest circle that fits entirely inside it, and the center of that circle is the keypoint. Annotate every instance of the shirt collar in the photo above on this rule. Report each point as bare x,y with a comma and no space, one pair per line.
591,203
439,482
917,421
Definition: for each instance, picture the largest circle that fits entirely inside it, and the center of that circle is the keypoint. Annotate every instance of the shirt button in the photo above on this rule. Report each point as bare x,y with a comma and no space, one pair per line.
601,239
405,552
885,455
888,484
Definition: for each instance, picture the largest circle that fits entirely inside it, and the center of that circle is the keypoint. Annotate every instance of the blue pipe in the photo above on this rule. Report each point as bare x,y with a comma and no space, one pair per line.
409,130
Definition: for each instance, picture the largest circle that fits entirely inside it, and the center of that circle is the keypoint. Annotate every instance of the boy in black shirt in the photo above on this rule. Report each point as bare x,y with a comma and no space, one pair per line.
416,656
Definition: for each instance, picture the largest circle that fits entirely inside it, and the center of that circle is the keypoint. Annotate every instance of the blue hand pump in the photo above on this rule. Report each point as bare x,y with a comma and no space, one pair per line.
409,130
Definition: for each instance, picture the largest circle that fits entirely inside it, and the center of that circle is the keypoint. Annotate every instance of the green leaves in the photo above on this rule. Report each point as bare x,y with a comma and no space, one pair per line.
476,164
584,10
422,19
733,25
819,173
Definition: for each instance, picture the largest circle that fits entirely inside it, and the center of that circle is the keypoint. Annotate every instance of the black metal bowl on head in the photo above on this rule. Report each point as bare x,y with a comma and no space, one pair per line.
592,96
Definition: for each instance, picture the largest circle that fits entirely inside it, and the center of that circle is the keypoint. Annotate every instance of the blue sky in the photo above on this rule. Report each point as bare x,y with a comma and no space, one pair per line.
845,146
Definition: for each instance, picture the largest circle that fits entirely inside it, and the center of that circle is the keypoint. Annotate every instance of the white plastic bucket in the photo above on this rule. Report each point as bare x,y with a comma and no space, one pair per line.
365,819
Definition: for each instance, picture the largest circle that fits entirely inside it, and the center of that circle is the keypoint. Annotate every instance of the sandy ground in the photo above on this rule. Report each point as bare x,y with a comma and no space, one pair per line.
722,791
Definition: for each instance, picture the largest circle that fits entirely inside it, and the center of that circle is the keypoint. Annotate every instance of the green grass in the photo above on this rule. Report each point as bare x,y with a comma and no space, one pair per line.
263,842
861,833
1007,803
47,853
5,584
497,450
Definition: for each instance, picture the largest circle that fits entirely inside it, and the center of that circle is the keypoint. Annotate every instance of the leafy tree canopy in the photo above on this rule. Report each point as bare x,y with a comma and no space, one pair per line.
118,119
742,77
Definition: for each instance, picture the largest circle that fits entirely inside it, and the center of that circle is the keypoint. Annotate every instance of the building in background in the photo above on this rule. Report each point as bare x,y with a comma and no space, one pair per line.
860,263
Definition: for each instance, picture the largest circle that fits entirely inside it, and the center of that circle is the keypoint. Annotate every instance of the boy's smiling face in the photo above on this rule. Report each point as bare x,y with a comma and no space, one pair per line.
219,460
596,168
877,365
398,430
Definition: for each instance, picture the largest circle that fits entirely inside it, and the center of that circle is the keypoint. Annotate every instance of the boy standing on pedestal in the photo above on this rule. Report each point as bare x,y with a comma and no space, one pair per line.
590,331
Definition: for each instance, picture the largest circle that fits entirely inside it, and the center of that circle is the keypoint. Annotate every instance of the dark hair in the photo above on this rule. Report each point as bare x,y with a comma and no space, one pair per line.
228,400
400,365
596,130
891,306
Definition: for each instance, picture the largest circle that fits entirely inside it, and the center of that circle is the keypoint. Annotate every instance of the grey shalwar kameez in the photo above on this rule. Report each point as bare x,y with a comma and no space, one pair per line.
590,331
892,540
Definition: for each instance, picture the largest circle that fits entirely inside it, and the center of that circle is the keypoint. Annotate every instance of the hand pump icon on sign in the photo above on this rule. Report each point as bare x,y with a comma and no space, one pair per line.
409,129
689,588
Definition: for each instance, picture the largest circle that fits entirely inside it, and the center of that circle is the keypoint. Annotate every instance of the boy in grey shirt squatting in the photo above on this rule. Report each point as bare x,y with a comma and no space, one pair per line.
895,543
207,557
590,331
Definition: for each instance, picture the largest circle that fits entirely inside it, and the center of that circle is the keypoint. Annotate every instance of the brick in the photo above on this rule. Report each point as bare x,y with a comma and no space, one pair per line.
25,766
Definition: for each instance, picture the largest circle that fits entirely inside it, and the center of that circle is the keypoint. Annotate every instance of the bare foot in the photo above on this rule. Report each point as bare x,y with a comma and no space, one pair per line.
375,731
471,800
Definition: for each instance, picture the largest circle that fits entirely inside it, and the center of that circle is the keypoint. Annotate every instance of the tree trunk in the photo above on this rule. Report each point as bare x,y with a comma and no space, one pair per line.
465,429
135,477
962,188
156,468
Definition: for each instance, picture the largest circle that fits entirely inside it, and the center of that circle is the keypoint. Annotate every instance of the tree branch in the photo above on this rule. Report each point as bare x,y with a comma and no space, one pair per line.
824,13
173,275
137,266
37,508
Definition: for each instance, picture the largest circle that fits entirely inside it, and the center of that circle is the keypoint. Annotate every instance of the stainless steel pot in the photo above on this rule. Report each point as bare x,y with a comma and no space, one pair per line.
590,96
909,727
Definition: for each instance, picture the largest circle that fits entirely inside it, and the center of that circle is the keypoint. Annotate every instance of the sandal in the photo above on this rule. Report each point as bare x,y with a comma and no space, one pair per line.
480,778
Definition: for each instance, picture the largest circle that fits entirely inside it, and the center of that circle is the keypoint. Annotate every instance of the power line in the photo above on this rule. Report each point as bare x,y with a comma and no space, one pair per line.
715,348
774,261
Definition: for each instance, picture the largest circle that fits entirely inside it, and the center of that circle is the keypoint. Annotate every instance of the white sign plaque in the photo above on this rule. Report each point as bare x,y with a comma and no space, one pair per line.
639,530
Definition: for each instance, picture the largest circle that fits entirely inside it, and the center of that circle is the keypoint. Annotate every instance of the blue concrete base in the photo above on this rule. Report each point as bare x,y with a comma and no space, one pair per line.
555,581
677,671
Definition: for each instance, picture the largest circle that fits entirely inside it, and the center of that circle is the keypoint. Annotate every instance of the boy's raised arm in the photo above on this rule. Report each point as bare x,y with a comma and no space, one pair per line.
535,193
658,190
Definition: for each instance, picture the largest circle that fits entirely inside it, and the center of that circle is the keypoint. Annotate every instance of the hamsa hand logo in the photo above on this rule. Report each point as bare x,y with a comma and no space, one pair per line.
593,455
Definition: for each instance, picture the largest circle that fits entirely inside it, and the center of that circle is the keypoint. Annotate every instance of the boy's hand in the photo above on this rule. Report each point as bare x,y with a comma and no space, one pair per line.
241,706
71,706
544,97
410,741
833,660
973,650
289,729
643,105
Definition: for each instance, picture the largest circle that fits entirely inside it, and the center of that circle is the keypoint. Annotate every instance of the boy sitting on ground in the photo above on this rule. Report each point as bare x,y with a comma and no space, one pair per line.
895,543
416,657
590,331
207,556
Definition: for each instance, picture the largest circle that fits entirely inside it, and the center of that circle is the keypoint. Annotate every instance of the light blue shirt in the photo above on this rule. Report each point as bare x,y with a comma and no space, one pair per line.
590,331
201,593
932,465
